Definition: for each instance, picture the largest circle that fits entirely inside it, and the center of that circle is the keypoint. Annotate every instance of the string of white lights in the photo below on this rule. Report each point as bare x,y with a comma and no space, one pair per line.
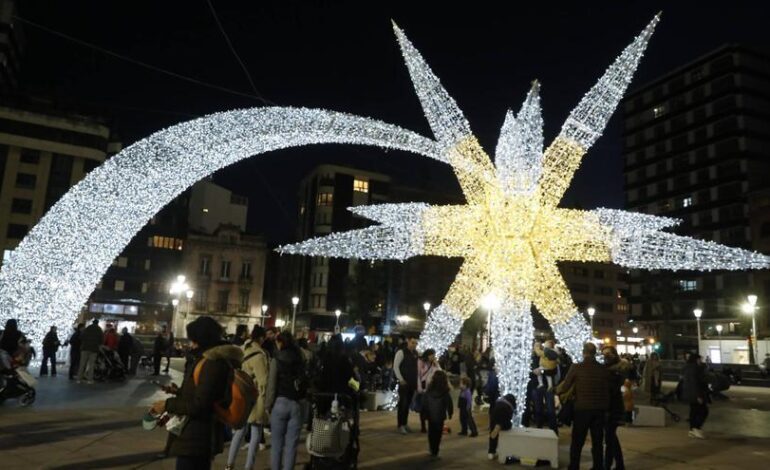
512,335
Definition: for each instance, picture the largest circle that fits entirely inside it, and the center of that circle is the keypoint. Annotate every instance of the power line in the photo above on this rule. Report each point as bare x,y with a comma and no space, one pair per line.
137,62
237,57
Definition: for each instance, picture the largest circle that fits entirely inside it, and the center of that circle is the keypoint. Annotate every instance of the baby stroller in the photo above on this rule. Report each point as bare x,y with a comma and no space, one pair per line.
333,441
108,365
15,381
663,399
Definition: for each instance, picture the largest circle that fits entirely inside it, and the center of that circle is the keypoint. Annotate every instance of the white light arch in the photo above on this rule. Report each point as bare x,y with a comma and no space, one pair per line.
56,267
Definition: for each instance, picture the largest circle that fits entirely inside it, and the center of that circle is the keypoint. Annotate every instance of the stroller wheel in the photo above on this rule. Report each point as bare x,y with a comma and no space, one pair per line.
28,398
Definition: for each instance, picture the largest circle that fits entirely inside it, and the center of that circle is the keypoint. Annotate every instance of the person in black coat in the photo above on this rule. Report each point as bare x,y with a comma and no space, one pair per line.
437,404
11,337
74,344
125,346
50,347
695,391
202,437
616,415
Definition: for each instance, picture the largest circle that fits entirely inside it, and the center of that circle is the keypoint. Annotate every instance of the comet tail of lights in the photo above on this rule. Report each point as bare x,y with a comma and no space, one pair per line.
510,233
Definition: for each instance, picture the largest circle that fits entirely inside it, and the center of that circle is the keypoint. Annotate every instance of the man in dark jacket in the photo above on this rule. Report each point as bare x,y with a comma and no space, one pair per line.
592,396
285,389
75,345
619,370
405,368
90,341
695,392
50,347
202,437
125,345
160,348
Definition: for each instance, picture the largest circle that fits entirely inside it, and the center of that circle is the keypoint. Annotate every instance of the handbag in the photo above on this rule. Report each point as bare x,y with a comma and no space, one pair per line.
327,437
416,404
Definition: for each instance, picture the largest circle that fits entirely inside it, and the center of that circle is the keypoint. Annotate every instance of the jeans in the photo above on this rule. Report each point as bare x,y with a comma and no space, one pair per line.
584,421
87,363
193,463
698,414
544,404
435,429
405,393
467,421
285,423
612,449
235,444
44,366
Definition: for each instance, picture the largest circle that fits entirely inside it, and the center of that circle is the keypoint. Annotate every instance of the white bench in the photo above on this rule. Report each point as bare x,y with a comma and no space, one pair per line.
654,416
529,444
373,400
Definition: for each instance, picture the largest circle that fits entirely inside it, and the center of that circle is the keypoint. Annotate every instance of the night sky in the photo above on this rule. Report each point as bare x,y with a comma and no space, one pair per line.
342,55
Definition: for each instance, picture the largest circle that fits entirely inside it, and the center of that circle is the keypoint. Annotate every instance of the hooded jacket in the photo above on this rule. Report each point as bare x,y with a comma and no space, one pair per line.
91,338
438,405
203,434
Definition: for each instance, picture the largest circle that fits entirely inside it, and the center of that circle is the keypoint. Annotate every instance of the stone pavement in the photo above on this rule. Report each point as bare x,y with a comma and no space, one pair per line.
86,427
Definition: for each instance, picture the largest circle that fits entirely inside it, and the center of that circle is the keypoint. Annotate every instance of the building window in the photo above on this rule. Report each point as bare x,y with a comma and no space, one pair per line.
325,199
120,261
243,304
147,265
17,231
599,274
29,156
21,206
120,286
361,186
25,181
222,297
203,266
605,291
168,243
659,110
687,201
622,308
687,285
145,287
224,271
246,270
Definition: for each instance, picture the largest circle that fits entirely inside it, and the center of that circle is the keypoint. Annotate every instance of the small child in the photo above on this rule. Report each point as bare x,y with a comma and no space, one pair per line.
465,405
548,363
628,401
438,404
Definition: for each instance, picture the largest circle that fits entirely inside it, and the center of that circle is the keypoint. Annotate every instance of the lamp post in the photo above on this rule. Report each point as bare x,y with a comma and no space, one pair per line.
698,313
294,303
178,288
426,307
490,302
719,332
750,307
262,318
337,314
591,313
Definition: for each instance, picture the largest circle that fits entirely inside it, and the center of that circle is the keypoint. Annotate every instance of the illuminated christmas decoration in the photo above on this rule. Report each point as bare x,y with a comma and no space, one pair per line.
510,233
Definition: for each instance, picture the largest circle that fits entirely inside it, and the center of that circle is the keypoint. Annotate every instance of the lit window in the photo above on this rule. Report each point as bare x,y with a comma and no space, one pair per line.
687,201
147,265
325,199
205,210
659,111
361,186
687,285
120,262
120,286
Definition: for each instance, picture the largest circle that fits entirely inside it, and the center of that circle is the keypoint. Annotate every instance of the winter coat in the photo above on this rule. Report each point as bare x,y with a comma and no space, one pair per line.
336,372
437,405
9,341
694,385
651,373
592,385
111,339
203,434
91,338
285,369
51,343
255,363
125,344
618,373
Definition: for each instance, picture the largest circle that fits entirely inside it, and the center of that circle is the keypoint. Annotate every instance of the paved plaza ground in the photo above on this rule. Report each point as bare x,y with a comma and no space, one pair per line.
75,426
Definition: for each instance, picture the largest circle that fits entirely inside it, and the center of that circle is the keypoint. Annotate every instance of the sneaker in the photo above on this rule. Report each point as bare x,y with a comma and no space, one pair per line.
697,433
402,430
491,456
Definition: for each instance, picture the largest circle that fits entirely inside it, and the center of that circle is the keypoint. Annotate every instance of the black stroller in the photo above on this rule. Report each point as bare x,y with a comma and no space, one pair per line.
108,365
333,441
15,382
663,399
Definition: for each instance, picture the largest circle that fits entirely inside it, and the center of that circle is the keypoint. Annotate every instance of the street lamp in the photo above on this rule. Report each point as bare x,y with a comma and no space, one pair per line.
635,330
294,303
719,332
698,313
264,312
750,308
337,314
178,288
490,302
591,313
426,307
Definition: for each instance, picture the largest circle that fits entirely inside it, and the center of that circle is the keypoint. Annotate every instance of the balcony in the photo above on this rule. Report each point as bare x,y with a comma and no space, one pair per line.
217,308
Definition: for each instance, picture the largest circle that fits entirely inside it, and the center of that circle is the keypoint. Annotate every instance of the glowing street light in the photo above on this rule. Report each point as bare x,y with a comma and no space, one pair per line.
178,289
490,302
294,303
719,332
635,330
750,308
337,314
591,313
698,313
426,307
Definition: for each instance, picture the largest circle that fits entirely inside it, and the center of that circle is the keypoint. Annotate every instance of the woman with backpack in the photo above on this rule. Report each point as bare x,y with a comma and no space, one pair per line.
255,364
287,385
205,382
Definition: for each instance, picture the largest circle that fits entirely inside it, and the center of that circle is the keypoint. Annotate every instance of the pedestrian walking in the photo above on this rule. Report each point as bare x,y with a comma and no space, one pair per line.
286,387
591,382
125,346
426,369
137,351
651,379
255,363
465,408
50,348
500,419
202,437
75,344
160,348
405,368
695,392
438,407
91,339
618,369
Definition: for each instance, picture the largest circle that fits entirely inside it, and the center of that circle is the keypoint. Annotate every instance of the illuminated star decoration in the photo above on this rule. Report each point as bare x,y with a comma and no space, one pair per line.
510,232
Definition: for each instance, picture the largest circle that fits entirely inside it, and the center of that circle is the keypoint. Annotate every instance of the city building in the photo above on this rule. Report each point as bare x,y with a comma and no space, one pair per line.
694,148
11,47
43,152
